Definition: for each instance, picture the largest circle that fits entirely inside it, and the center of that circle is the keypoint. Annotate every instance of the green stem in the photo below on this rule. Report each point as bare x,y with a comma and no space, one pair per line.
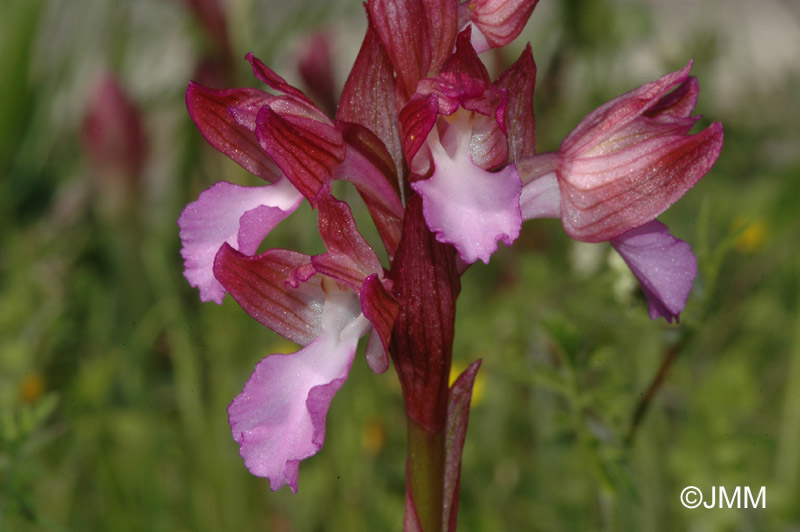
425,475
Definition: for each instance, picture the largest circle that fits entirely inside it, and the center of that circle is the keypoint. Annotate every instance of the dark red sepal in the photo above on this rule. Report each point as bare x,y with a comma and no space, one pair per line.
269,77
380,308
266,288
211,111
402,28
417,119
369,97
519,80
306,149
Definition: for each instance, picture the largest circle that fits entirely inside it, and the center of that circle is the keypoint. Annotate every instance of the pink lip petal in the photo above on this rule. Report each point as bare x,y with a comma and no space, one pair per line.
664,265
228,213
467,206
279,418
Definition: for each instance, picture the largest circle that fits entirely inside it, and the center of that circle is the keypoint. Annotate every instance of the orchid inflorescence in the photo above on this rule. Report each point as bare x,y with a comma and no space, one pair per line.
444,159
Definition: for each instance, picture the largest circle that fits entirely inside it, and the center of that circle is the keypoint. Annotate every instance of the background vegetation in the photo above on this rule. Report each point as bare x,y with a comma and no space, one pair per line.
114,378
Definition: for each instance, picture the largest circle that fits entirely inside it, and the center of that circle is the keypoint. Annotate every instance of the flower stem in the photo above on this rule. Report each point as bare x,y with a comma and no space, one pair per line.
425,477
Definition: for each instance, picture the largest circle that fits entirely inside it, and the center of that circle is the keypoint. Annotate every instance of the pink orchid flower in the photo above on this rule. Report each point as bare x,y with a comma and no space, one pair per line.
457,145
622,166
325,302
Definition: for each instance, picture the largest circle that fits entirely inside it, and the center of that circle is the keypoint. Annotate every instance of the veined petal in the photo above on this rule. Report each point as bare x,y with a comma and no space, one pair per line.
232,214
497,22
368,165
269,77
603,197
214,113
488,144
267,287
349,258
302,142
464,204
518,81
369,98
402,27
663,264
380,308
279,418
614,115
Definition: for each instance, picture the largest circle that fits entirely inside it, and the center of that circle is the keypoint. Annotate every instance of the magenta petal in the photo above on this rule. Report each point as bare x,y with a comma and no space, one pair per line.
663,264
228,213
467,206
279,418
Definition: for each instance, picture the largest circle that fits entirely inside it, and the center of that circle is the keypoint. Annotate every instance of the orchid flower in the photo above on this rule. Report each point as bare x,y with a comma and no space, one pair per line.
325,302
457,145
622,166
444,159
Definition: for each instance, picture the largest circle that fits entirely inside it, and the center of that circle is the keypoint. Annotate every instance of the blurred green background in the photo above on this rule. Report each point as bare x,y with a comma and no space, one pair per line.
114,378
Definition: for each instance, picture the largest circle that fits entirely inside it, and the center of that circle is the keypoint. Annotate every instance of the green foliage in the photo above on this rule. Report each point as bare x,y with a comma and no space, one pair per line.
114,379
